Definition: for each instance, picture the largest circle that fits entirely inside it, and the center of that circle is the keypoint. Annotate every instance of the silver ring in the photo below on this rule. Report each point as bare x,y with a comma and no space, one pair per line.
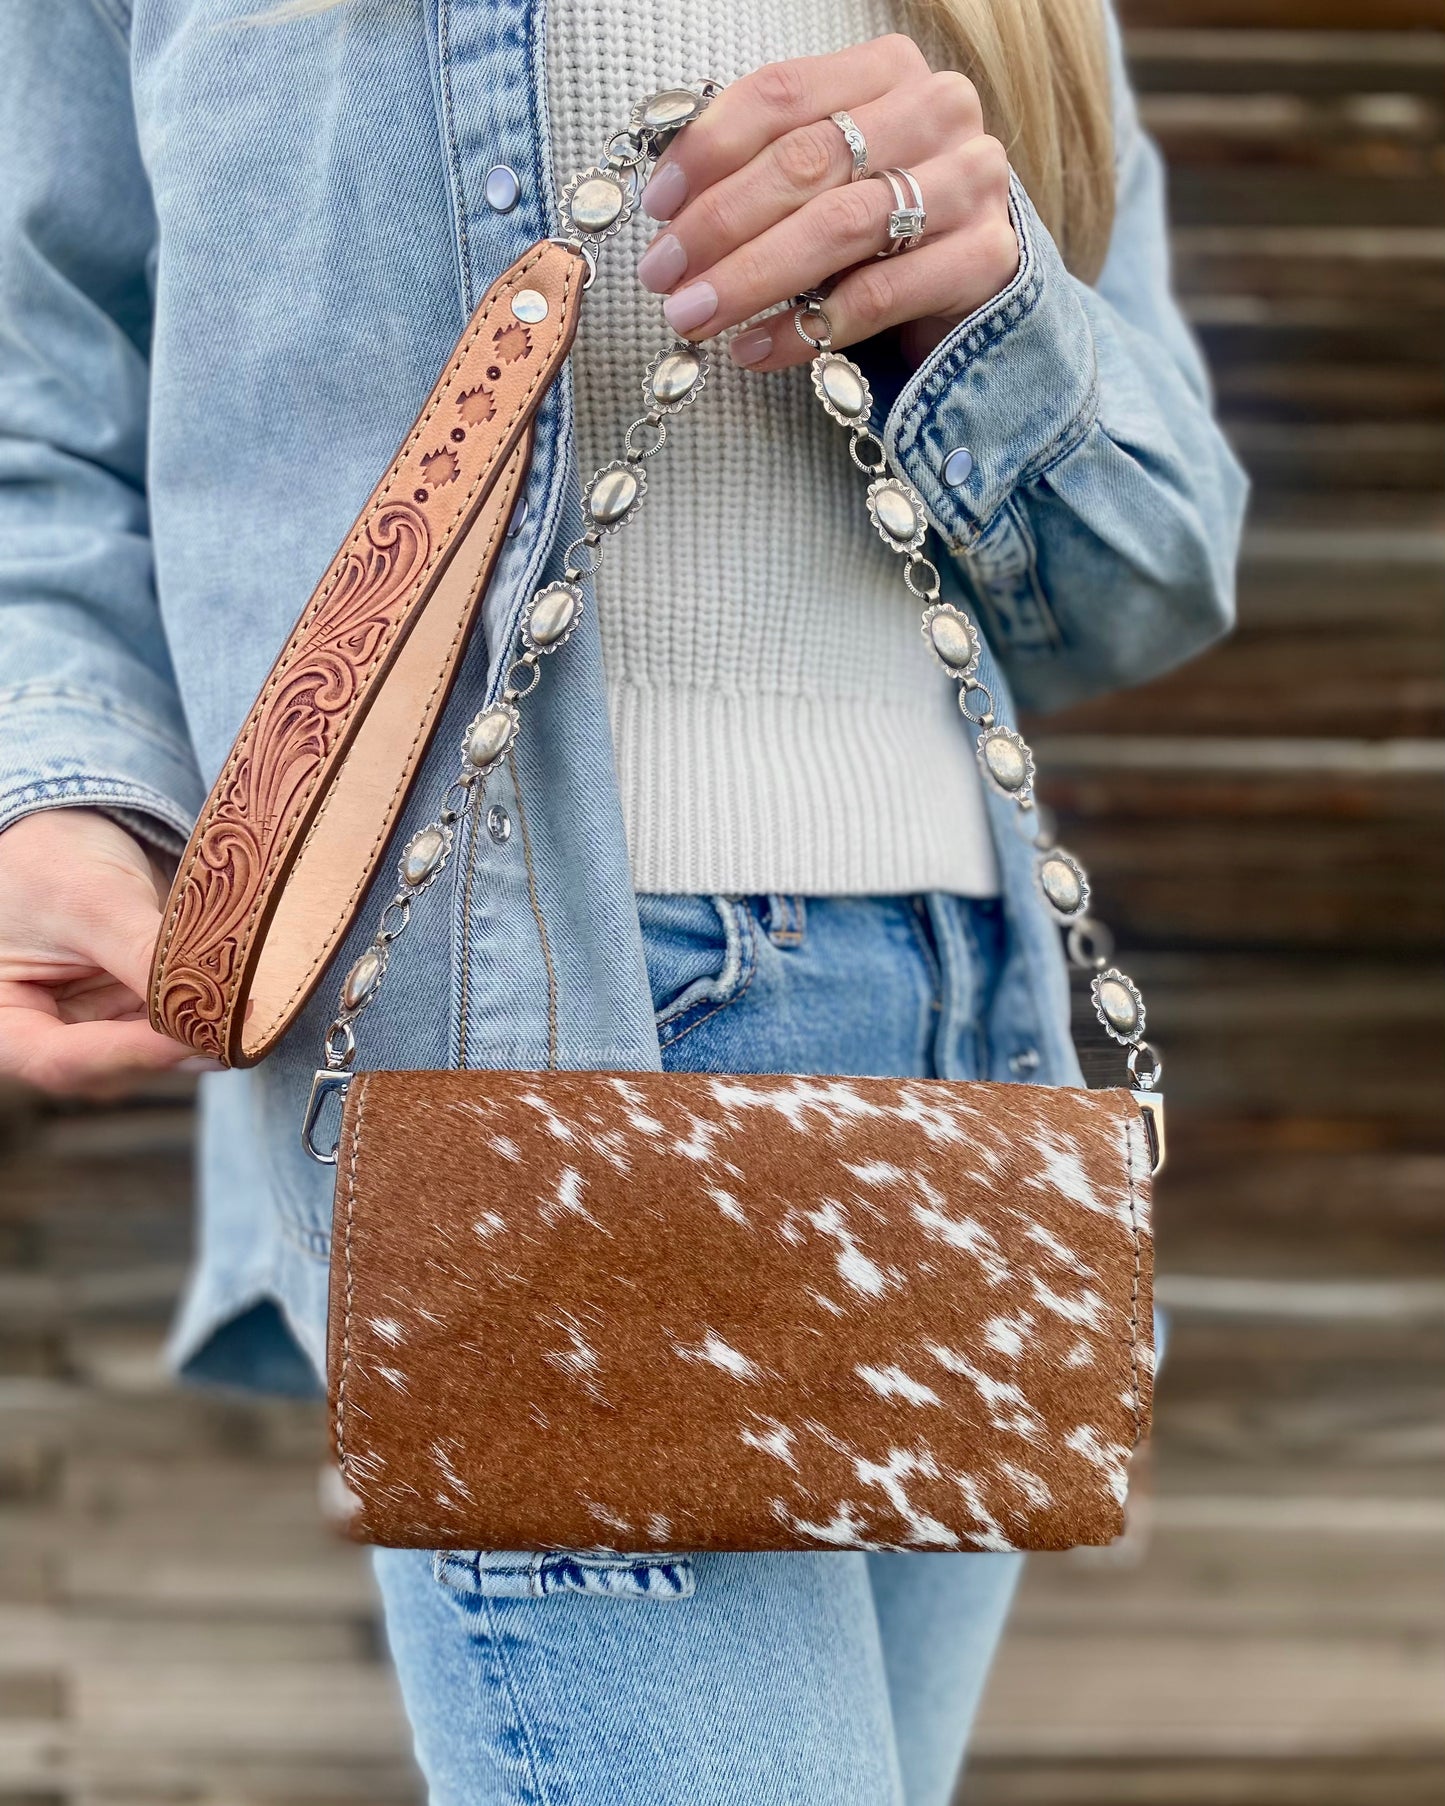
908,219
856,142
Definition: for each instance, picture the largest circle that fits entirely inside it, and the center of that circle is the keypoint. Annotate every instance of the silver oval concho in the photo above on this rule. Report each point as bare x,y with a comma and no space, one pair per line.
675,377
952,639
842,388
1005,760
1118,1006
664,114
424,856
613,493
490,735
896,510
1063,883
552,616
363,980
597,202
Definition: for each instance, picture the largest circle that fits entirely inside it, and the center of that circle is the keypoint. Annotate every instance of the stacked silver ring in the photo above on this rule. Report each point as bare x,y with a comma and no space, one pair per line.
908,219
856,142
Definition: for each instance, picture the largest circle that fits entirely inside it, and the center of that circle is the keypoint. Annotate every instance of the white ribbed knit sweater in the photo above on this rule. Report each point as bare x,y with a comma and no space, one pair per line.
778,723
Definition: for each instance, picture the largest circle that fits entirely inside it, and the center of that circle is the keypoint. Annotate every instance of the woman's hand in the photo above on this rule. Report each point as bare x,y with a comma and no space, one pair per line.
80,908
761,207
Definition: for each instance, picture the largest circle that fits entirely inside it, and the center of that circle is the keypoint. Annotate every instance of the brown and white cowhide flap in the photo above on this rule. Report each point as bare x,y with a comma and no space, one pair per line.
678,1311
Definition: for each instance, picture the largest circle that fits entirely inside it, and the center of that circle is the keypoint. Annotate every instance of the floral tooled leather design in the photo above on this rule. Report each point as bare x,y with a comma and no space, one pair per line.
268,785
297,733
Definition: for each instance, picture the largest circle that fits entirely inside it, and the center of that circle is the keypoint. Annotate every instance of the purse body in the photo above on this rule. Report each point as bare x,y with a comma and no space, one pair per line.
651,1311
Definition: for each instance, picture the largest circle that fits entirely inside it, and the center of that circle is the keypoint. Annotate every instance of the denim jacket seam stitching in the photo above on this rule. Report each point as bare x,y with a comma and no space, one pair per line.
98,790
537,916
1068,439
464,952
1138,1399
105,707
1065,441
115,15
1051,640
460,235
1063,445
1007,313
315,1243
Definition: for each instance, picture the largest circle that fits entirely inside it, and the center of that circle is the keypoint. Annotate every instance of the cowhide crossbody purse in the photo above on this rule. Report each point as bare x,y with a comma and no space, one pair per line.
647,1311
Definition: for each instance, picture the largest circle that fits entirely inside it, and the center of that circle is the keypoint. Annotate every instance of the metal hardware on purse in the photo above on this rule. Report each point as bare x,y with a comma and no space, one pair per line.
595,204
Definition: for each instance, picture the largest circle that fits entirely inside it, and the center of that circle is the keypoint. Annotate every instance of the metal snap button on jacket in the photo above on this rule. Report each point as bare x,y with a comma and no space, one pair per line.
502,189
957,466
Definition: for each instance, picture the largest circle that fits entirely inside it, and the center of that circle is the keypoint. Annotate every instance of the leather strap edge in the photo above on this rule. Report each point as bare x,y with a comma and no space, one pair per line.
325,677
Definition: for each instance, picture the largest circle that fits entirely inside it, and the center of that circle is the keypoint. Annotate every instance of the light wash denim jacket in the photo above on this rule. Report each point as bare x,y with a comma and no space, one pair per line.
232,260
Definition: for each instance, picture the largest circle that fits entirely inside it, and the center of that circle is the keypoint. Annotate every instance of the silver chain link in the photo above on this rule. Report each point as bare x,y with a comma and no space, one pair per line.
1004,759
492,733
674,379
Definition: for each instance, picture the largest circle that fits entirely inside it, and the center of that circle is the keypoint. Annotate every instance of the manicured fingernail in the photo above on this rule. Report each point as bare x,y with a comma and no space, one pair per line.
690,306
751,347
664,194
662,263
199,1063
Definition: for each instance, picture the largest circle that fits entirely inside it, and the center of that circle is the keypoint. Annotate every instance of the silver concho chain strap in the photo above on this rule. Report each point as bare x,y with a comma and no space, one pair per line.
595,204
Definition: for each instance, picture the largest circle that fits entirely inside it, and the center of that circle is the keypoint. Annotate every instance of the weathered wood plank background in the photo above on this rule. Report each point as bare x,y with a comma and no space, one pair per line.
1265,830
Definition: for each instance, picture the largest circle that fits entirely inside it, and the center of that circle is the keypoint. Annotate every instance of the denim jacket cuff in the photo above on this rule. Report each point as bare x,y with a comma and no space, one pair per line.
69,748
1014,385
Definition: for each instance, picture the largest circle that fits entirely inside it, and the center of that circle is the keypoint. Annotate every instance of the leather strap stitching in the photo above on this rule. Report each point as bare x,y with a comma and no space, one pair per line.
384,829
1130,1127
360,1082
298,634
297,640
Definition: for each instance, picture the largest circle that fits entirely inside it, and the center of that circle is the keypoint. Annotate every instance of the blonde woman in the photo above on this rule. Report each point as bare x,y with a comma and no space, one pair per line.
749,833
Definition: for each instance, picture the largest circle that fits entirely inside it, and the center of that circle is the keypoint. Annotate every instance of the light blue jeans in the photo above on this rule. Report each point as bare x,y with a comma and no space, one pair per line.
780,1680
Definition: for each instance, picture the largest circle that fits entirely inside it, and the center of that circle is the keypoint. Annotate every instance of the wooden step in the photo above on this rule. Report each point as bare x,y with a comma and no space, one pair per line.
1302,1198
1307,387
1393,137
1338,455
1364,16
1359,277
1186,58
1253,196
1281,843
1301,682
1376,1778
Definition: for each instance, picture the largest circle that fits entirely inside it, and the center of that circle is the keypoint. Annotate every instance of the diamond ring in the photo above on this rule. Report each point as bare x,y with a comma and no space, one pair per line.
908,218
856,142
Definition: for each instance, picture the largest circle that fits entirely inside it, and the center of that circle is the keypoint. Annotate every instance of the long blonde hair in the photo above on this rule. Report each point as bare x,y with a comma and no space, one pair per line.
1041,68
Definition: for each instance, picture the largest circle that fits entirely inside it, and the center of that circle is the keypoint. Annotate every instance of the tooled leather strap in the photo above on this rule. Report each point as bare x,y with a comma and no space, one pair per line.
295,824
